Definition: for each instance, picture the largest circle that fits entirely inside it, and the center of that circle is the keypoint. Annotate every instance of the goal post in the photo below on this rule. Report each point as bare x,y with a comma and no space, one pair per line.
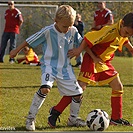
35,18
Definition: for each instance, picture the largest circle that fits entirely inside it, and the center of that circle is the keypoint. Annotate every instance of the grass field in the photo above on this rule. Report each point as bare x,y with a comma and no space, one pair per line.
19,82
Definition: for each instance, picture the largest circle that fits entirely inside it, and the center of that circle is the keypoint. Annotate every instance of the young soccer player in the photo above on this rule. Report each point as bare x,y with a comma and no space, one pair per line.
30,57
56,39
97,68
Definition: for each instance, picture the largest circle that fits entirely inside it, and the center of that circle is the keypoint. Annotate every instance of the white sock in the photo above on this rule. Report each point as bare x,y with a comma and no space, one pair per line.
35,105
74,108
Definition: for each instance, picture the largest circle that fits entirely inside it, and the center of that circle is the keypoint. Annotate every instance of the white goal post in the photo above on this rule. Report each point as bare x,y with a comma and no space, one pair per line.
35,18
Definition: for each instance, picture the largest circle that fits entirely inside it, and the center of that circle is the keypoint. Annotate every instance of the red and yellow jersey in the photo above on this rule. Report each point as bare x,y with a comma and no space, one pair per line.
106,41
32,57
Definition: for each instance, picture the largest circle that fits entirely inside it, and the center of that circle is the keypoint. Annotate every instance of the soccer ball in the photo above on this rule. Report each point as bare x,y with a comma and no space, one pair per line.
98,120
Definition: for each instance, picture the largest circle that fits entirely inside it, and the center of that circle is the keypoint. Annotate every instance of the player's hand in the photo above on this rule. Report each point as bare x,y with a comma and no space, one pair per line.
98,60
73,52
13,53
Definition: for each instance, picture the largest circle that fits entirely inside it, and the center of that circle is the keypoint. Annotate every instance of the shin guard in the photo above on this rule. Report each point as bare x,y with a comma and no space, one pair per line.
75,107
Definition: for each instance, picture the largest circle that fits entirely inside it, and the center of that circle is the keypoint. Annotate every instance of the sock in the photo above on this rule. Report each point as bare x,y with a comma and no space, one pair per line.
64,102
35,105
74,108
116,104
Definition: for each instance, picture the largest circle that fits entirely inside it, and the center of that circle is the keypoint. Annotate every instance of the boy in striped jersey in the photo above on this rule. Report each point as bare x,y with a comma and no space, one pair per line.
97,69
56,40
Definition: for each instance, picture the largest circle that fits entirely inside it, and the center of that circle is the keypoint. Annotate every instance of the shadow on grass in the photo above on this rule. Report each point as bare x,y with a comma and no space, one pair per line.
16,87
49,129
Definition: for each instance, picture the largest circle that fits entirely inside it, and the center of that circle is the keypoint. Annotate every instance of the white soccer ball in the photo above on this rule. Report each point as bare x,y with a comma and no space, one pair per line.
98,120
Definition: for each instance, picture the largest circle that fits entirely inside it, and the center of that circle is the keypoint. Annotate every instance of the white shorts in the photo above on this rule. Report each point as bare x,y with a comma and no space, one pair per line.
65,87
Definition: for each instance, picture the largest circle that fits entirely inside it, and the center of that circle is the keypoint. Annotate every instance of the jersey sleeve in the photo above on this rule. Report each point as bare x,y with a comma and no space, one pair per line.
122,42
95,37
37,38
109,15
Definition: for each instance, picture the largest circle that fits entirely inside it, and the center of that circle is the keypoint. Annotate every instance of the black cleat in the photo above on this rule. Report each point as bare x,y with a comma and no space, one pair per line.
120,122
54,114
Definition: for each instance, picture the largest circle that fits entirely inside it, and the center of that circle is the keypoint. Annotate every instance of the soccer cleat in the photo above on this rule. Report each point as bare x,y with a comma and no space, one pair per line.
54,114
120,122
11,60
30,124
76,122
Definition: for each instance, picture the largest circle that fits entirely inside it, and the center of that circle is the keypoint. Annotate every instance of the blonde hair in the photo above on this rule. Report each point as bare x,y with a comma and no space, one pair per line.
65,11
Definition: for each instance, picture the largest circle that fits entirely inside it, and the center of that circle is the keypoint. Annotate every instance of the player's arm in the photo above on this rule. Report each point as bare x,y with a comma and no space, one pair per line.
20,19
94,26
95,58
110,20
129,46
14,52
76,51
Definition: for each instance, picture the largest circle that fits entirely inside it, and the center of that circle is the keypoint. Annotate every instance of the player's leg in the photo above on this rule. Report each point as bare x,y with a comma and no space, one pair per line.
19,60
116,103
4,40
65,88
13,40
73,119
38,99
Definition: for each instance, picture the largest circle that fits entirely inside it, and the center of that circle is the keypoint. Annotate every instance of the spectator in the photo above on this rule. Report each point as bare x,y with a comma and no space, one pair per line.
103,16
80,26
14,20
29,58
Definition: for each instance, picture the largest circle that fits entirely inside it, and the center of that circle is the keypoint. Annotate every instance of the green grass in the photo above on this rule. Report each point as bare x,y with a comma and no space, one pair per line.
19,82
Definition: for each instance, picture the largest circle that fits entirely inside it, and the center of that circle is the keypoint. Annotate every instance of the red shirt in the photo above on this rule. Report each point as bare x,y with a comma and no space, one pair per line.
12,18
102,17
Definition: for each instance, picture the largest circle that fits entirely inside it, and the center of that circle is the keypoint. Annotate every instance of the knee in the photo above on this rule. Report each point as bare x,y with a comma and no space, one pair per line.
119,87
77,98
83,85
44,89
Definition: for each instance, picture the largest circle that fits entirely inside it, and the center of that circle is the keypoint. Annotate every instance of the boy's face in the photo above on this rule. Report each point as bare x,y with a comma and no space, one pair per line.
63,25
126,31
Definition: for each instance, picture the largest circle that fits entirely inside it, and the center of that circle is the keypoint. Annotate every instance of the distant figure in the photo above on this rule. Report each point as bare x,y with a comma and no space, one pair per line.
30,57
103,16
80,26
14,20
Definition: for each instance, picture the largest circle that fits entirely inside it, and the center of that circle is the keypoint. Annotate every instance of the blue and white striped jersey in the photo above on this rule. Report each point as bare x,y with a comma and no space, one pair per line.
55,46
